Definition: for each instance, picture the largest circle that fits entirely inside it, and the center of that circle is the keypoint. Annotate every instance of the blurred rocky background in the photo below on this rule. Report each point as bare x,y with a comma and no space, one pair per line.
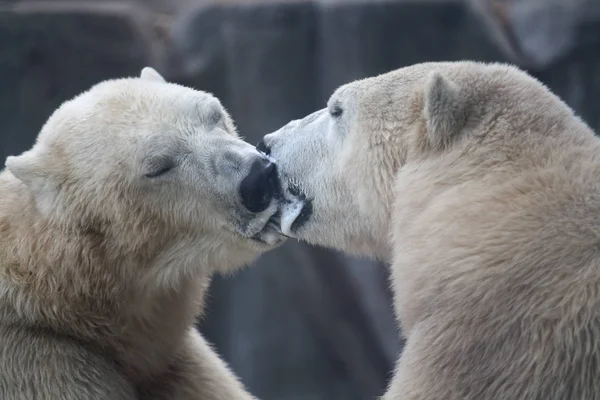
303,322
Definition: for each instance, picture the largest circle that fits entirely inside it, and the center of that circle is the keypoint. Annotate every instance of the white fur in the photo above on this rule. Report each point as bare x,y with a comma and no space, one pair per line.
480,187
103,269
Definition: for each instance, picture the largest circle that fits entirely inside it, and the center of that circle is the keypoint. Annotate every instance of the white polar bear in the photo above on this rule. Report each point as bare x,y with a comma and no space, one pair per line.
488,186
111,226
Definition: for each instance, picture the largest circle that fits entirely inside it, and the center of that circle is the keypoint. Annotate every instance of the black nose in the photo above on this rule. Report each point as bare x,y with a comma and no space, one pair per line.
262,146
260,185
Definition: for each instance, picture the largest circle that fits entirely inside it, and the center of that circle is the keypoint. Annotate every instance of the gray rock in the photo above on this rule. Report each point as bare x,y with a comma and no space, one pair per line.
536,33
362,39
576,79
50,55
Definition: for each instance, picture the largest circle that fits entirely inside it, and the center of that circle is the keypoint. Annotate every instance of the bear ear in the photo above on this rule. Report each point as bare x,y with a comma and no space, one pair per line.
445,109
150,74
28,169
25,168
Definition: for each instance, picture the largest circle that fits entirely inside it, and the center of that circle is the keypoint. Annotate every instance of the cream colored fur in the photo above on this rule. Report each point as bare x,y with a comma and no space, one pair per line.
481,188
103,270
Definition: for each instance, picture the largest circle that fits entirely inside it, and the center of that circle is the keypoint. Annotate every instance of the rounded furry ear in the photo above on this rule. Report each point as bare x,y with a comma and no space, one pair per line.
25,167
29,169
445,109
213,112
150,74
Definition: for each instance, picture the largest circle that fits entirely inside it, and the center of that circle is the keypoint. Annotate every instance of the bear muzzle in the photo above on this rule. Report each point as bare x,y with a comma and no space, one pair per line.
260,186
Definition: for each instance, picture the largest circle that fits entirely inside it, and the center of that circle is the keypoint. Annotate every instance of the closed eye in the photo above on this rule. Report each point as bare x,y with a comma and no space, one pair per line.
159,168
159,172
336,111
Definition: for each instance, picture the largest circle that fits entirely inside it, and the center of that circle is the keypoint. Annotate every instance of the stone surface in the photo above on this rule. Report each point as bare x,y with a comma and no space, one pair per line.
361,39
51,55
576,79
258,59
536,33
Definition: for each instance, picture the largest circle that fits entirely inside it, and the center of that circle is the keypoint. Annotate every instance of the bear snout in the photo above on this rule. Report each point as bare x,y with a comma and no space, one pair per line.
260,186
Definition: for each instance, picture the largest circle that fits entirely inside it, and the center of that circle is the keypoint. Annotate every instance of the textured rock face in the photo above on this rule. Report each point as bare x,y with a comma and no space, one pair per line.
50,54
539,32
303,323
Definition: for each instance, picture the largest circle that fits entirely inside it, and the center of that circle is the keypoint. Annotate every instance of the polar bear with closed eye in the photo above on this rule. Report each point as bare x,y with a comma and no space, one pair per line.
111,225
481,188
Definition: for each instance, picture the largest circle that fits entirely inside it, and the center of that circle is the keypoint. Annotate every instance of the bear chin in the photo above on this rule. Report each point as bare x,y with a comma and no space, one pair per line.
293,212
269,237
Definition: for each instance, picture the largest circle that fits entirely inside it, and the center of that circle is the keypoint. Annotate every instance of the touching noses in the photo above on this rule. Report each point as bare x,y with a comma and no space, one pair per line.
262,146
260,186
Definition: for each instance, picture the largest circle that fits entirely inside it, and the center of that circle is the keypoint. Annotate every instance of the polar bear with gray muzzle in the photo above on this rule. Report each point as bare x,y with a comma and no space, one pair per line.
481,189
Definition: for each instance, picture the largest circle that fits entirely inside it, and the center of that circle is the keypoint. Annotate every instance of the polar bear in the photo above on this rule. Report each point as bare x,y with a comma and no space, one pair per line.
134,194
481,188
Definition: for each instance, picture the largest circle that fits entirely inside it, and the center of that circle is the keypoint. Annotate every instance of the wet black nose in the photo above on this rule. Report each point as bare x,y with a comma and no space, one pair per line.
260,185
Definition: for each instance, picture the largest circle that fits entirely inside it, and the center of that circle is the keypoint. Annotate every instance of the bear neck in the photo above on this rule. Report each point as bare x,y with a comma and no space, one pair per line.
82,283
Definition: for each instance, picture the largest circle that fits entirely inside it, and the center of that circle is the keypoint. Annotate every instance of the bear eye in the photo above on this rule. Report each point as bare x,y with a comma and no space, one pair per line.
336,111
159,168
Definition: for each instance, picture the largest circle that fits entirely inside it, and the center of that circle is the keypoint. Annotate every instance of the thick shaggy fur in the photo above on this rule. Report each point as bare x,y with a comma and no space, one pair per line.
480,187
103,265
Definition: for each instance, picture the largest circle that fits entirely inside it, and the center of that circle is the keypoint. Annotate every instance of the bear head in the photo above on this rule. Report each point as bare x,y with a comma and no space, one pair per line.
150,167
340,166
